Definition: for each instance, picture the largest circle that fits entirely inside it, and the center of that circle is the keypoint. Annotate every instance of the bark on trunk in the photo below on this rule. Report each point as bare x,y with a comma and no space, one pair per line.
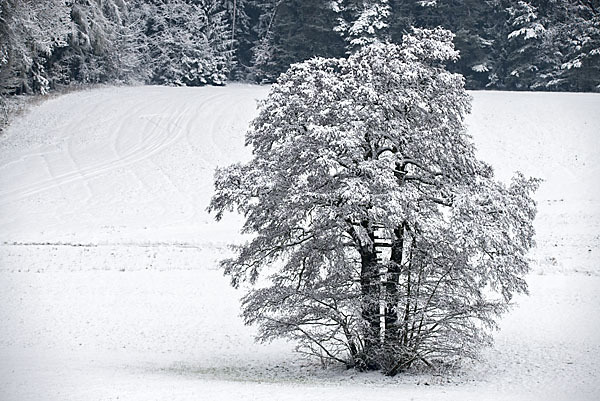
392,329
397,313
370,290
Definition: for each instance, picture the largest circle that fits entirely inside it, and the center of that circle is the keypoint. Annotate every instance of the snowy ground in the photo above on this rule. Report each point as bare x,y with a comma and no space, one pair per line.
109,287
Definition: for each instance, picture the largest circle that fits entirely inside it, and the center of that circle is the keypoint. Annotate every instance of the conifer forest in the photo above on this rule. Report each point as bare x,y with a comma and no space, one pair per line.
549,45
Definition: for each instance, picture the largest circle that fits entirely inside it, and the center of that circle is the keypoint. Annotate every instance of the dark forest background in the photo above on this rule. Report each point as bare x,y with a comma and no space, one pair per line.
504,44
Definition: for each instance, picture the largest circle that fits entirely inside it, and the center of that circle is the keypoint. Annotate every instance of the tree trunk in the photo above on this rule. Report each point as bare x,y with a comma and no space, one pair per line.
397,262
392,329
397,312
370,291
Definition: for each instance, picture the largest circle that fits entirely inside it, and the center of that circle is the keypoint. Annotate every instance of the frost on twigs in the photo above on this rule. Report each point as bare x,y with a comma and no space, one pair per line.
393,244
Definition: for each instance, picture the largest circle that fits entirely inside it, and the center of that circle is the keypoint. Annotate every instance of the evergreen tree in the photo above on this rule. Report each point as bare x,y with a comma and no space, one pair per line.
478,26
189,42
354,156
262,67
220,42
242,17
291,31
362,22
98,48
573,45
551,45
479,38
525,38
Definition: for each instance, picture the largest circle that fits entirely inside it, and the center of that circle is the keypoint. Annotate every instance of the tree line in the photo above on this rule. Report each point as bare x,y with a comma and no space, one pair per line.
503,44
48,43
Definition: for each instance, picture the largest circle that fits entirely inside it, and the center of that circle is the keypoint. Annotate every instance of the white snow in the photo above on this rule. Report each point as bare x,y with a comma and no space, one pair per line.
109,286
555,137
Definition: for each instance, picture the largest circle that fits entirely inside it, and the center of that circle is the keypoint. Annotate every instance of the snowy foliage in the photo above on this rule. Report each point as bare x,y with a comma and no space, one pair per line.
363,22
52,42
524,40
292,31
523,20
263,50
30,31
189,42
553,45
504,44
575,47
355,155
102,44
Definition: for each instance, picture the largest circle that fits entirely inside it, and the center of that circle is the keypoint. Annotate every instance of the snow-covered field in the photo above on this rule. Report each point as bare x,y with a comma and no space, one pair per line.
109,287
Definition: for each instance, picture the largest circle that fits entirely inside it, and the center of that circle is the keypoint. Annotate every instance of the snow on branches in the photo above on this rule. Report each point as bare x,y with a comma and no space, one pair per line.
360,155
361,22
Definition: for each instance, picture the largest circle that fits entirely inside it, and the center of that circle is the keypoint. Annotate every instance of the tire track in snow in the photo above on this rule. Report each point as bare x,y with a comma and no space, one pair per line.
149,146
146,184
159,136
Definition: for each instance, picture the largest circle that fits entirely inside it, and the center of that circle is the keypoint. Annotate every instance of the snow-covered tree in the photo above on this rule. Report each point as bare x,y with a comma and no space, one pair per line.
30,31
572,43
190,41
525,38
359,156
262,58
243,35
220,41
290,31
362,22
551,44
101,47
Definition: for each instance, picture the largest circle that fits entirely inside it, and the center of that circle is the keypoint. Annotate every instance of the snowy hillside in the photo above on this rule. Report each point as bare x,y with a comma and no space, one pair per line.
109,286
